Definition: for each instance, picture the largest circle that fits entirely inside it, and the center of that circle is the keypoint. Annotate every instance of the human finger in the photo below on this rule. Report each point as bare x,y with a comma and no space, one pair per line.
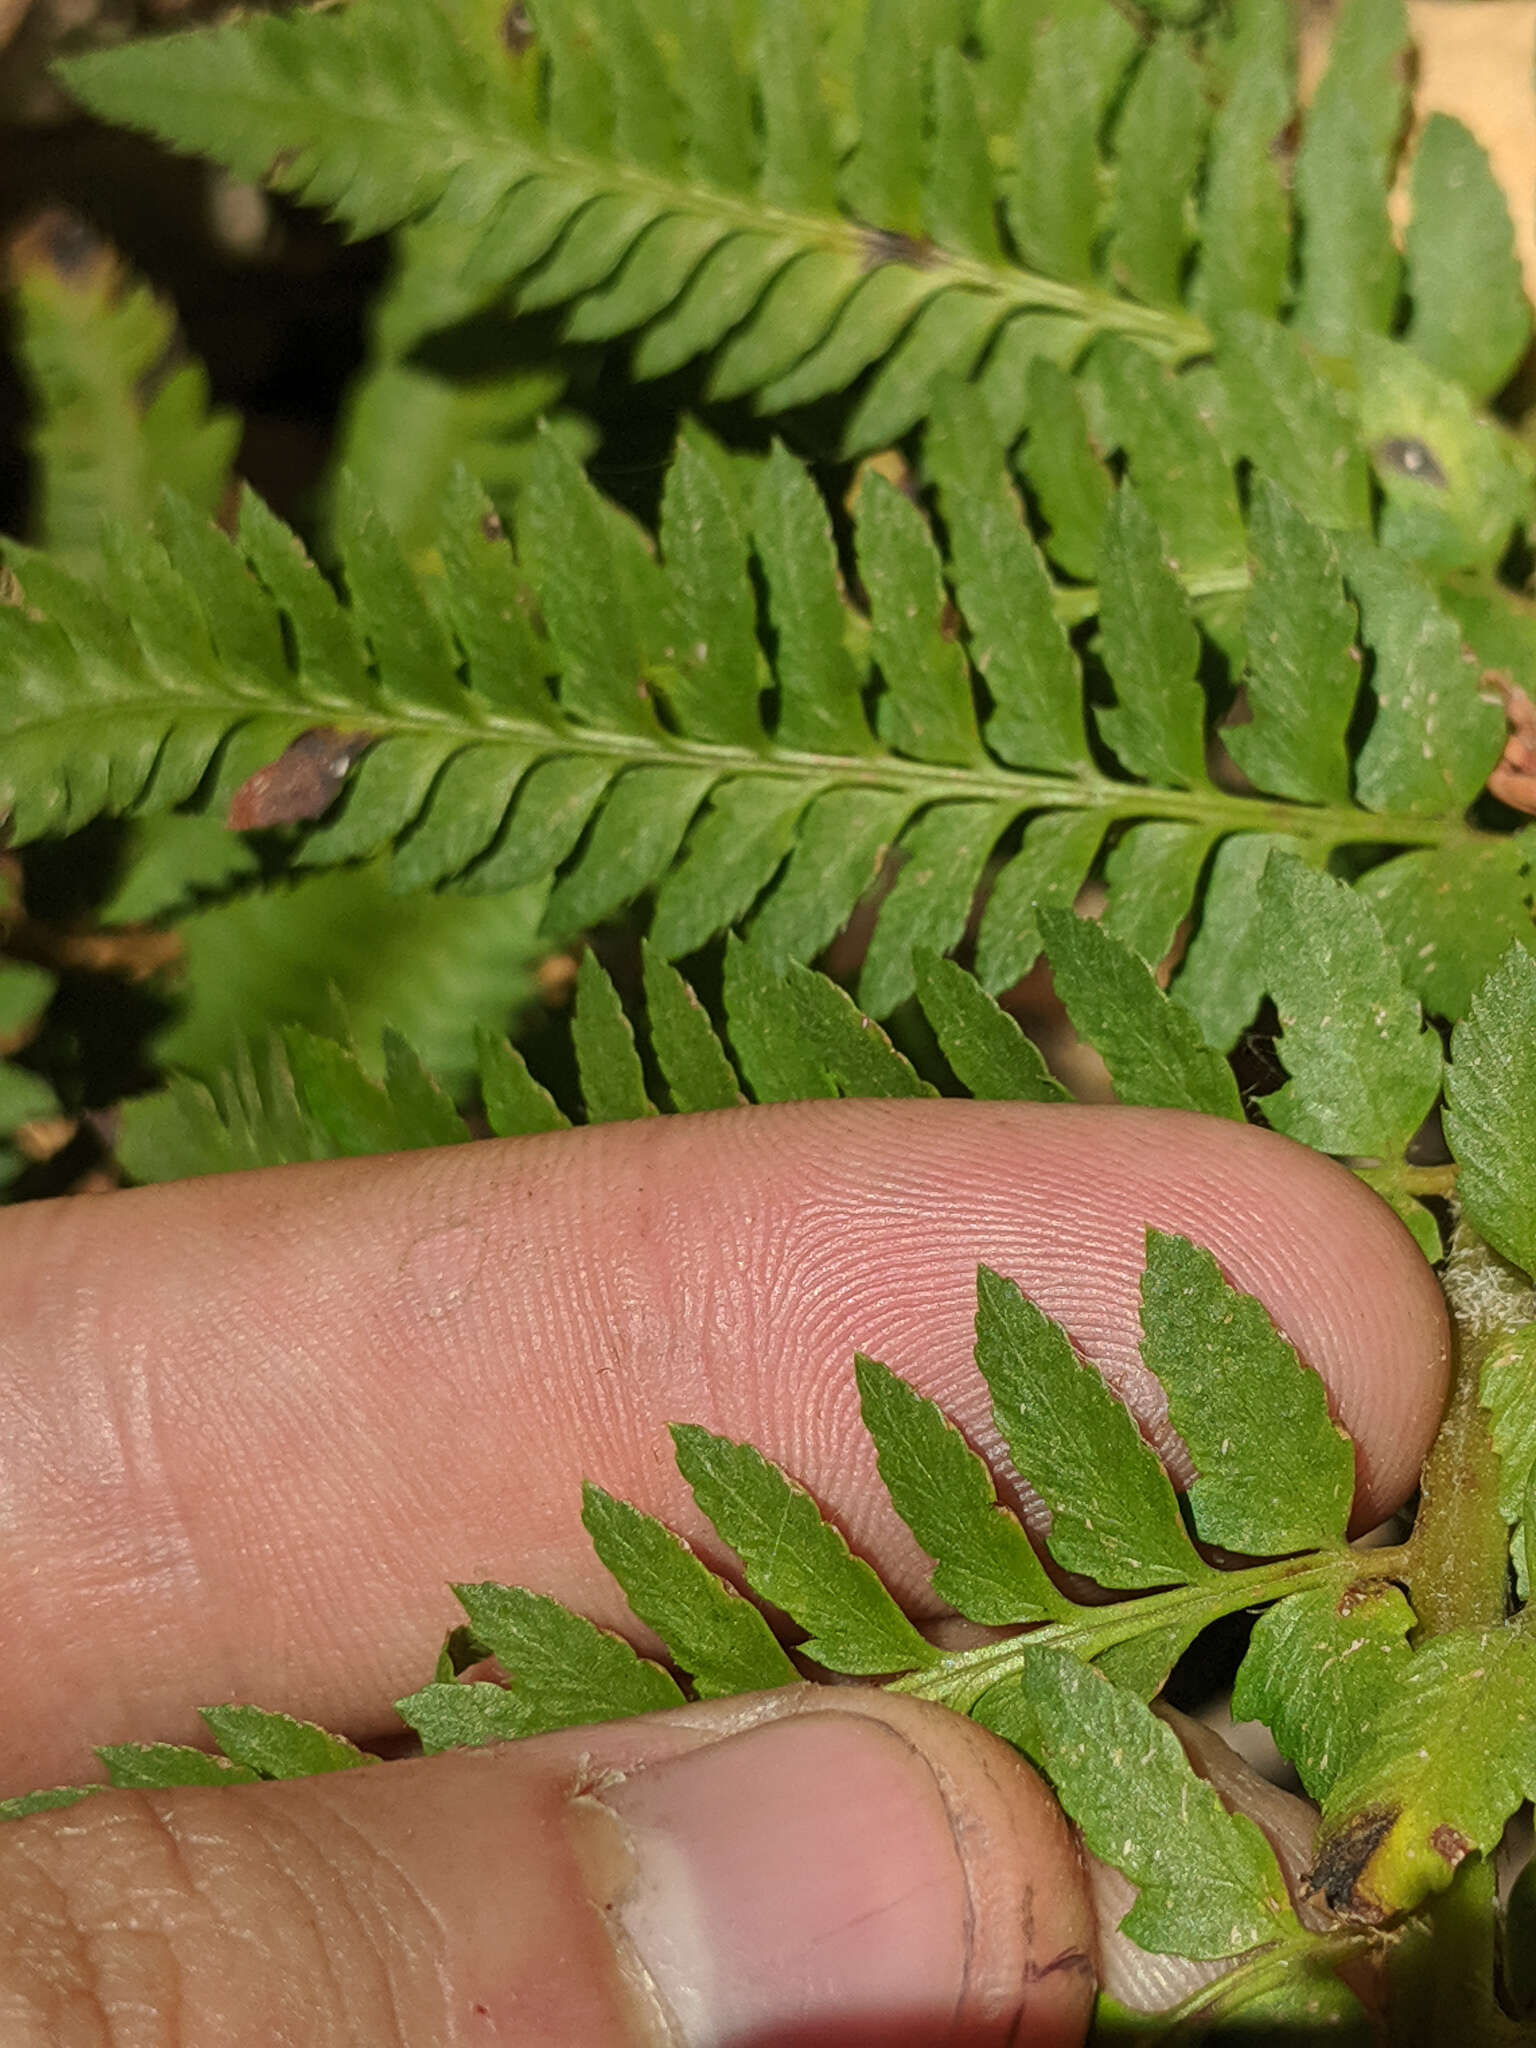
781,1871
249,1427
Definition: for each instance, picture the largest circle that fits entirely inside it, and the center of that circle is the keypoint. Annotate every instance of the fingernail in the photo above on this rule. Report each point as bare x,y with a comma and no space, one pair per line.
799,1875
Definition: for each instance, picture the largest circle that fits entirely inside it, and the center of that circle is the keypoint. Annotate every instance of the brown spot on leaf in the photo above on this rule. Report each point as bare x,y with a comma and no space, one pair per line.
60,242
491,528
885,245
1411,458
1513,781
1363,1593
517,30
302,782
1343,1856
1450,1844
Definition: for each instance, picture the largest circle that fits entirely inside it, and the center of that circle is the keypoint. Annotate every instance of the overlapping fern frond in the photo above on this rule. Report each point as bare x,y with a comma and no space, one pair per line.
849,200
1364,1071
120,411
717,721
782,1037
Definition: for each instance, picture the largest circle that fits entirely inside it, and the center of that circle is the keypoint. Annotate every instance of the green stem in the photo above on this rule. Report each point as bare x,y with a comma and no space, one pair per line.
1442,1981
1458,1556
959,1681
1258,1975
1217,810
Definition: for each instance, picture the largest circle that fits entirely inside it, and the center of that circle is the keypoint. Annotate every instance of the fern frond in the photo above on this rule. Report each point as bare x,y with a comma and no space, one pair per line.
25,993
449,380
861,201
289,952
587,710
292,1097
299,1094
118,411
590,711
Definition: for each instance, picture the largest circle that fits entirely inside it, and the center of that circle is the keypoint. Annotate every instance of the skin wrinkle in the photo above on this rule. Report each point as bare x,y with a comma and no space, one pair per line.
719,1268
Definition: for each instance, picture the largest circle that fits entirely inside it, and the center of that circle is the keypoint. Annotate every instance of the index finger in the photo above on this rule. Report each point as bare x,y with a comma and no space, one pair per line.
250,1427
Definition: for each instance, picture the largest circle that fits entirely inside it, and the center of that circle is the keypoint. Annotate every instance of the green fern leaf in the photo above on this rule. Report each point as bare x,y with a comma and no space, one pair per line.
1507,1389
118,415
516,1106
1460,228
1075,65
359,1115
1222,978
25,992
989,1054
796,1560
1450,914
1066,469
428,966
387,114
156,1766
853,1050
1343,171
298,1096
1230,1375
1453,486
1151,649
1488,1099
1180,473
564,1671
1149,1041
1161,131
252,1116
819,681
578,760
1068,1718
1017,641
688,1050
984,1564
945,854
1113,1512
472,1715
928,710
612,1079
778,1064
1451,1789
1245,219
277,1746
1364,1071
719,1639
1318,1671
1153,876
1047,872
1291,423
1303,676
449,380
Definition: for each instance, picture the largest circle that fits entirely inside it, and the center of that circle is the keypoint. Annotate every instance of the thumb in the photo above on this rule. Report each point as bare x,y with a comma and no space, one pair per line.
812,1868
